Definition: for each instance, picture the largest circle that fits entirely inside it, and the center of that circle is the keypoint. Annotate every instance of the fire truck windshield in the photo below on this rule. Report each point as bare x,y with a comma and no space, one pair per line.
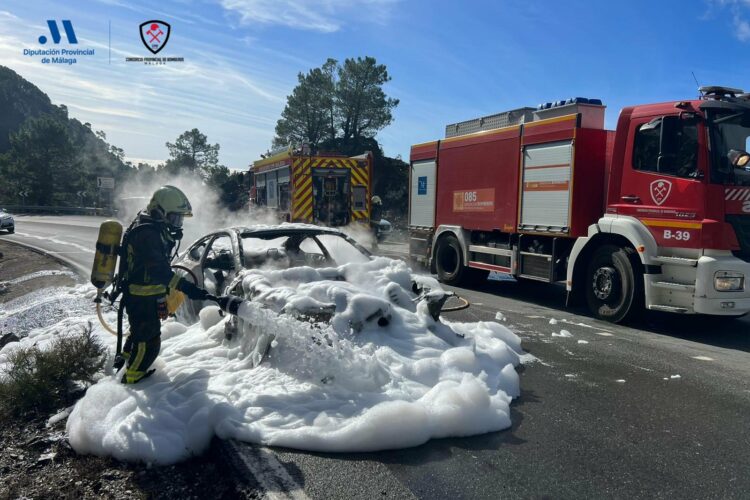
730,142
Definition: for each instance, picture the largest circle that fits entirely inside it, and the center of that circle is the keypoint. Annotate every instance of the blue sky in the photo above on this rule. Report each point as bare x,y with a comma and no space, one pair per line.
449,61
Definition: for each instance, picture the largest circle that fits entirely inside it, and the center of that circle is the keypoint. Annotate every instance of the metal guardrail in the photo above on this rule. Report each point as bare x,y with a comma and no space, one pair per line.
35,209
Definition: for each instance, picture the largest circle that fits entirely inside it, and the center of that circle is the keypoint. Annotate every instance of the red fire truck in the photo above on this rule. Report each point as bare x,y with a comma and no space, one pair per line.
655,213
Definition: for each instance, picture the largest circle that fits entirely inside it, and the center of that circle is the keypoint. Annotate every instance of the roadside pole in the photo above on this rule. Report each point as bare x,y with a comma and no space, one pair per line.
106,187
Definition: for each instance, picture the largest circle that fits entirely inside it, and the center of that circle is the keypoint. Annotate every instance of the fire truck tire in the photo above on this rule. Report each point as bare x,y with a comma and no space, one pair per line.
449,261
614,286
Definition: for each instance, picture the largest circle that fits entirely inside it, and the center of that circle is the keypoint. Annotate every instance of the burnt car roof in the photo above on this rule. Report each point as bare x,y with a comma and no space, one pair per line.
289,229
283,229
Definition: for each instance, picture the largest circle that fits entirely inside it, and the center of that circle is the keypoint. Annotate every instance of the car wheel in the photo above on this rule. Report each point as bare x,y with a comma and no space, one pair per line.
449,261
11,230
614,285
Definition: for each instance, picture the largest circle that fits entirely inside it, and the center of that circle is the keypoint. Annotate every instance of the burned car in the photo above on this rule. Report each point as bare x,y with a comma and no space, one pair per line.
310,274
214,260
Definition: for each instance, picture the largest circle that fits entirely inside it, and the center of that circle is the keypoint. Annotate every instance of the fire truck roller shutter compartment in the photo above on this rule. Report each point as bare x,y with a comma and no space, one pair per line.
546,187
422,209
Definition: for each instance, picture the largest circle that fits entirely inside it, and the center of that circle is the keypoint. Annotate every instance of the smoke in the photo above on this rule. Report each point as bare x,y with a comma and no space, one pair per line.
362,234
209,214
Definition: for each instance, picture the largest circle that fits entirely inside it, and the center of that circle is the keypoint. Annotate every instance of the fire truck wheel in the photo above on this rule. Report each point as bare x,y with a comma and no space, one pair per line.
449,261
614,288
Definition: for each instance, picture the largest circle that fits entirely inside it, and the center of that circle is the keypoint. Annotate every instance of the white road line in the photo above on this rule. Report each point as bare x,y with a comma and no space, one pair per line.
59,242
703,358
269,472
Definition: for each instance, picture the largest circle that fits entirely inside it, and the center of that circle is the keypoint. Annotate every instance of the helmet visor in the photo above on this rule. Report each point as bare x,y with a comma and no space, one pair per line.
175,219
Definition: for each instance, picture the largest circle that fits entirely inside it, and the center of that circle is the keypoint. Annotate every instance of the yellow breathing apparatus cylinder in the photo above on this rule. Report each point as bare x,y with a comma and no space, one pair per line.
105,258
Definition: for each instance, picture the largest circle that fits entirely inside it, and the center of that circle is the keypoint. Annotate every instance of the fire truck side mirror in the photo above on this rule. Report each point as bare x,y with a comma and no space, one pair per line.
669,142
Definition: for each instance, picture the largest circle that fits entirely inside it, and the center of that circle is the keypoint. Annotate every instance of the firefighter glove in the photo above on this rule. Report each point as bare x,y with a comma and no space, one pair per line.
229,303
192,291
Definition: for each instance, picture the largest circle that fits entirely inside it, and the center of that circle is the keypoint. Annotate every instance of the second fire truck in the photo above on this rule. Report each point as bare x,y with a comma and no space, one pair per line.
328,189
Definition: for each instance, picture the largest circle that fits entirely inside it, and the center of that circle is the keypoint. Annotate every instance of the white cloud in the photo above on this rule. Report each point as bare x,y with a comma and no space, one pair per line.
108,111
739,10
741,29
325,16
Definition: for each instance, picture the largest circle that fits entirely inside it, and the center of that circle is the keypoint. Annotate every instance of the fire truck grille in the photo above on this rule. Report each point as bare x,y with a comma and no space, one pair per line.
741,225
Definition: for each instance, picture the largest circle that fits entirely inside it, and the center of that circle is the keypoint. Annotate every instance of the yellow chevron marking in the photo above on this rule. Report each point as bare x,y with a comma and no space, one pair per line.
301,195
306,215
305,185
357,176
305,207
301,199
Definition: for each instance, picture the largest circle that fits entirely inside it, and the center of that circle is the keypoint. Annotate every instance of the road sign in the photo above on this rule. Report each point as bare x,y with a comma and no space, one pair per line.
24,193
105,182
81,193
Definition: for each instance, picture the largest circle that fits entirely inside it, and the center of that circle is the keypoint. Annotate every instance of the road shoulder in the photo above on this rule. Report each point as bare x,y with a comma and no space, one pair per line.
37,461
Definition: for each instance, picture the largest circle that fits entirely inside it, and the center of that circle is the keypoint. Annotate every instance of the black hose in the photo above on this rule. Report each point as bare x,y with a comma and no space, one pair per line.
191,273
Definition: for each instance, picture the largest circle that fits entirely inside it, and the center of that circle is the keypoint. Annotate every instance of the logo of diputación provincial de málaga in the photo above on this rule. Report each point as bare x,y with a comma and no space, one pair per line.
55,32
155,35
55,55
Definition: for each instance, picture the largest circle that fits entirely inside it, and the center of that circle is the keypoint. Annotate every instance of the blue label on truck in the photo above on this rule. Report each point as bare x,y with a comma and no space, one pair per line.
422,185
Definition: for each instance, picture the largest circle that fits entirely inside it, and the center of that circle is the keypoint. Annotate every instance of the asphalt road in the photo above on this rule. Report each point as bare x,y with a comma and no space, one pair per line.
70,238
656,409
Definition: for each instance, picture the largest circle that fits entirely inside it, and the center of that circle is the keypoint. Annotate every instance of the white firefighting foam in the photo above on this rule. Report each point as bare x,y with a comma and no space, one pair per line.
347,385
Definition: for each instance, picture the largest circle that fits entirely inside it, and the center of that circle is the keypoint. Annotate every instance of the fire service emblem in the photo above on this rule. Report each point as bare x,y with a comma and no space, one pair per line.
154,35
660,190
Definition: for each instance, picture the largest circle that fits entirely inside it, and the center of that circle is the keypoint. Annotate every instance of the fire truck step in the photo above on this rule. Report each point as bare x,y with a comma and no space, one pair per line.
673,285
678,261
490,250
672,309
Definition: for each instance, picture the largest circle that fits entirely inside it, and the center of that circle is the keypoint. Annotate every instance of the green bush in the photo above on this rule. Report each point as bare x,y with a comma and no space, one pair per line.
38,381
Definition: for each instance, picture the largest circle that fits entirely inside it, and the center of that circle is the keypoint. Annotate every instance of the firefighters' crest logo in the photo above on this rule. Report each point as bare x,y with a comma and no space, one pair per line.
154,35
660,190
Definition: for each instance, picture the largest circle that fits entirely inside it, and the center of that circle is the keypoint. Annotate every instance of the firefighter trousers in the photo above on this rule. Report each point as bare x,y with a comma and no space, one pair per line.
143,344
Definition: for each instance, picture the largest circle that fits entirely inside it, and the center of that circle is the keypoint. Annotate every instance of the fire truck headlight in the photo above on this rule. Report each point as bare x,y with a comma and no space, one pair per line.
729,281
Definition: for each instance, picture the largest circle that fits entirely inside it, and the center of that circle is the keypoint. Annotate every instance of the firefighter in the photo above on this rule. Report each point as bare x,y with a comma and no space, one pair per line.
148,246
376,213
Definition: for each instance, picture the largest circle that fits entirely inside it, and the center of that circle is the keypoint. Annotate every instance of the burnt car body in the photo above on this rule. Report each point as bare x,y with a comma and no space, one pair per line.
214,260
222,261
